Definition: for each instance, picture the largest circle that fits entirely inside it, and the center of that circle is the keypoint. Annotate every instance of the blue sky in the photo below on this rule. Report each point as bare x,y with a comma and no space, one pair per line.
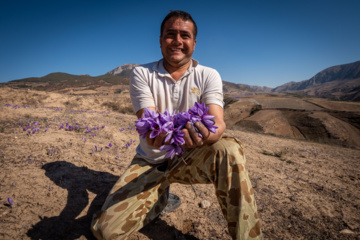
265,43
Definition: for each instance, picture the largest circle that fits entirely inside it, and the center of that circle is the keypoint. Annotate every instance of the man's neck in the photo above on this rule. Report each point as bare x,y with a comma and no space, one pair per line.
176,72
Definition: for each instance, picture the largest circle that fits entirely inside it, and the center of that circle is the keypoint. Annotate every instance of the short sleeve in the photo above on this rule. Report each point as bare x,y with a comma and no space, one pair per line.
213,91
140,93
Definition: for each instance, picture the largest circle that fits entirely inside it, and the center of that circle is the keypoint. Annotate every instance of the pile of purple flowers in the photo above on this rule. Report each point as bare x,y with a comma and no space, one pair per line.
172,125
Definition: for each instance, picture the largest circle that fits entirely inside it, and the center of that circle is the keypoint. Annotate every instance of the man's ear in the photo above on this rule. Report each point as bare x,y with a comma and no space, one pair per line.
160,41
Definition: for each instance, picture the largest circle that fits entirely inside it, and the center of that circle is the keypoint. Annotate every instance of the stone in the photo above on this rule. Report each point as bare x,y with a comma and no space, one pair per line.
346,231
205,204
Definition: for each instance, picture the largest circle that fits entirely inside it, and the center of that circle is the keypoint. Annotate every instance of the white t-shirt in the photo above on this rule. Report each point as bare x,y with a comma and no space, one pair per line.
152,86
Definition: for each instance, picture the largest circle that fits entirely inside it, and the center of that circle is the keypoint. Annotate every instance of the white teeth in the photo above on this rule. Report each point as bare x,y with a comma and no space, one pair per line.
175,49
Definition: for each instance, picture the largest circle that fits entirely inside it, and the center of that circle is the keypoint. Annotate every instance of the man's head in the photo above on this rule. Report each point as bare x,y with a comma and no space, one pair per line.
179,14
177,39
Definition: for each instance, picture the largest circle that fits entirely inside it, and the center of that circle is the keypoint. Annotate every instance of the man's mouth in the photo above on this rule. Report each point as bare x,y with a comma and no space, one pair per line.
176,49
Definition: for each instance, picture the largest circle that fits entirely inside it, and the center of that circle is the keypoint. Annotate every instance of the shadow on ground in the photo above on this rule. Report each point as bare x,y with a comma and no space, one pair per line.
79,180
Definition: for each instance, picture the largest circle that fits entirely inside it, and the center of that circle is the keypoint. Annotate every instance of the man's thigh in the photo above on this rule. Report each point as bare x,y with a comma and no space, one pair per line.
203,163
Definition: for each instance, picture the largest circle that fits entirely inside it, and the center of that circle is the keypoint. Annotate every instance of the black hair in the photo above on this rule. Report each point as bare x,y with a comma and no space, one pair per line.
179,14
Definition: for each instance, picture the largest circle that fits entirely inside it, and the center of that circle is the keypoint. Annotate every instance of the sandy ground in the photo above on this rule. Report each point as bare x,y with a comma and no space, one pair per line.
57,178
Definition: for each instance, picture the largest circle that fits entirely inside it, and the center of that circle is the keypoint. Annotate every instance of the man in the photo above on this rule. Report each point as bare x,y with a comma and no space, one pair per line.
176,82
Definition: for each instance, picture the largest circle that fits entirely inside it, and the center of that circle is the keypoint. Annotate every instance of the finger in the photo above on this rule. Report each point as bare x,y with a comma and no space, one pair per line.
149,141
159,140
188,141
194,134
203,130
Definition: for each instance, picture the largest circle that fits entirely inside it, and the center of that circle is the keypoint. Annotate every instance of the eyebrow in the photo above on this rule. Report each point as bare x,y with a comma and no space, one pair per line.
174,30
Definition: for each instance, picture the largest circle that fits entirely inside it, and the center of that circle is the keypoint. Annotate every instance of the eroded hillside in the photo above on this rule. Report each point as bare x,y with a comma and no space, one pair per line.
316,120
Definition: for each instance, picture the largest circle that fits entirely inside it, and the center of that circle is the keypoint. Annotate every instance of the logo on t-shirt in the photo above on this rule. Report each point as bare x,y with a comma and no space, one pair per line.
195,90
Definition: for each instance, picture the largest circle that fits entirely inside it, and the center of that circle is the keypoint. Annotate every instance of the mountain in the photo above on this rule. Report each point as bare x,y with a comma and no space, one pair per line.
341,82
123,70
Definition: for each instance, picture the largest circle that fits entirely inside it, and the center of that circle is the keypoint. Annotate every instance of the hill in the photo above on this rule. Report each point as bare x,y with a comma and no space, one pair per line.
340,82
67,82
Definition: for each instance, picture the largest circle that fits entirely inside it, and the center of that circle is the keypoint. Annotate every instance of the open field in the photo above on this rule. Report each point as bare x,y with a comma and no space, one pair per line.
57,178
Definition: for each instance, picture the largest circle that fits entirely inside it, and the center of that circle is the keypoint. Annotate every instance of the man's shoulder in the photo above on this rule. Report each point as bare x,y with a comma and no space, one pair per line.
200,67
204,69
149,67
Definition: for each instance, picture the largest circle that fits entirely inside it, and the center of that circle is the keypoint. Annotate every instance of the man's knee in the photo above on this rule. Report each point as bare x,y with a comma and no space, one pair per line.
229,149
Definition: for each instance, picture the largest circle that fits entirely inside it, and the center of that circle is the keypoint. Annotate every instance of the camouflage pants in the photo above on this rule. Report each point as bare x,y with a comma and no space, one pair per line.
140,194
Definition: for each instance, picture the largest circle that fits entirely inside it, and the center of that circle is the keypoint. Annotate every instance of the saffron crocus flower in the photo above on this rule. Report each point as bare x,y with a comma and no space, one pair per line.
166,117
199,111
10,201
184,117
172,150
156,127
150,114
172,125
178,137
142,127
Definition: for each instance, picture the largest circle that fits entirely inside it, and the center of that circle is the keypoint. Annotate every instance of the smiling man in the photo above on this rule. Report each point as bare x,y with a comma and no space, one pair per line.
176,83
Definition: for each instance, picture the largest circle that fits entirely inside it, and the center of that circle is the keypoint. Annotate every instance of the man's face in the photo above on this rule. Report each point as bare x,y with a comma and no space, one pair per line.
177,42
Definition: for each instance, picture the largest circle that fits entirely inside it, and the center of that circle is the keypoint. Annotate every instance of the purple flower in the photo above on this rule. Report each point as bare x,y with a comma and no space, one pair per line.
199,111
156,127
182,118
172,125
172,150
110,145
178,137
166,117
142,127
10,201
150,114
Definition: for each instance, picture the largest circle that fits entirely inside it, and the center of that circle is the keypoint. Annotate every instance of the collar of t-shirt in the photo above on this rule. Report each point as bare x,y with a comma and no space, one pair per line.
162,72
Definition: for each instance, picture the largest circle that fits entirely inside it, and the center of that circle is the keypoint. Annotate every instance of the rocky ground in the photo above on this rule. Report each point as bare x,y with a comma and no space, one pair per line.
57,178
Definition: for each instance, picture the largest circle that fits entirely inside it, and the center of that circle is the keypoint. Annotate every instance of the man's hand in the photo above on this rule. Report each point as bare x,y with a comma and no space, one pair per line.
192,138
193,133
156,142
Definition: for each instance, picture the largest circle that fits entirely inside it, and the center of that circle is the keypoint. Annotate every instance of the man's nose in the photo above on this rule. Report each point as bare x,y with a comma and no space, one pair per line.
177,38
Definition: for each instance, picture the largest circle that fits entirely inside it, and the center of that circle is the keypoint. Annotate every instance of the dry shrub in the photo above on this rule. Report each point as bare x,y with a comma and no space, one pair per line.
119,107
127,110
31,101
71,104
